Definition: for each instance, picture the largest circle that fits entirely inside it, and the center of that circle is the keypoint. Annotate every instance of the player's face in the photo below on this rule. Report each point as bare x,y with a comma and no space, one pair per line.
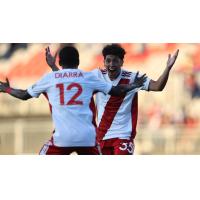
113,64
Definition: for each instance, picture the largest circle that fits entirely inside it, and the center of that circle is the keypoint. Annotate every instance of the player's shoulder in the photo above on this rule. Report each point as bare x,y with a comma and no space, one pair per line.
126,74
95,71
129,74
99,71
48,75
90,75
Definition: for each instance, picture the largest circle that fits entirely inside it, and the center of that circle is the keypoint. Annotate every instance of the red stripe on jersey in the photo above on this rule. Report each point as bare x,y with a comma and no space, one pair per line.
50,106
110,111
134,115
93,109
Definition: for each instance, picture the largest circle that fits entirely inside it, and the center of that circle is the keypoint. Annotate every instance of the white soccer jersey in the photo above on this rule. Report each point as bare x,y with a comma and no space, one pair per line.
69,93
117,116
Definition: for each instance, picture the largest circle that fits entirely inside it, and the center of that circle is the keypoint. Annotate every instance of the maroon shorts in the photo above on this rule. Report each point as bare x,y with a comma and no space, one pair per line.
116,146
50,149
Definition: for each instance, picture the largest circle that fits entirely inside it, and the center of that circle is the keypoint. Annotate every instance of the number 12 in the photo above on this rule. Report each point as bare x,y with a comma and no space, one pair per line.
73,100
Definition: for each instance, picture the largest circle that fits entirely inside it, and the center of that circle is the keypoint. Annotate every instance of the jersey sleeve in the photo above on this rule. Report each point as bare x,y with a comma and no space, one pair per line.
99,85
146,83
39,87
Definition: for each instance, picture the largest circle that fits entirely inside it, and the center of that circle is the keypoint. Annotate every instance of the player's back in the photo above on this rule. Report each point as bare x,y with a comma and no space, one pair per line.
70,93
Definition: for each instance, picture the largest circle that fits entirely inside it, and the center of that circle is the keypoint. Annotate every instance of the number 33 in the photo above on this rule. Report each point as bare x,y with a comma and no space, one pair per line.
127,146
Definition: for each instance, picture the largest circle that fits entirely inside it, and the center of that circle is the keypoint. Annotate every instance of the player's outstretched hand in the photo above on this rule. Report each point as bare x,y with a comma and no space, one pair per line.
139,81
4,85
172,59
51,60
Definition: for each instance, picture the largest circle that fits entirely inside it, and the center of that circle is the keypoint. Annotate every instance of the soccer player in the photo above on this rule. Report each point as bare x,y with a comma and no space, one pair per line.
117,116
70,92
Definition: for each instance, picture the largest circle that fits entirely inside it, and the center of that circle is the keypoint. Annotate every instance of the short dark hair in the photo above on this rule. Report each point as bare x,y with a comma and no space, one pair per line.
69,56
113,49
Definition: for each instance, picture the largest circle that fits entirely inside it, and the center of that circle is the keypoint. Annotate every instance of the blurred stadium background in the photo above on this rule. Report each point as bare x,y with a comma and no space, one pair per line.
169,122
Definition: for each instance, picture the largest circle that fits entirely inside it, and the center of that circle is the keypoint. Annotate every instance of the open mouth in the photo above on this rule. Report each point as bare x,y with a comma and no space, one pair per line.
112,68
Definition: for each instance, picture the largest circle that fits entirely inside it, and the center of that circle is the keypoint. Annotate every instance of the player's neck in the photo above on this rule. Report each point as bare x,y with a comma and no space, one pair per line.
70,67
114,75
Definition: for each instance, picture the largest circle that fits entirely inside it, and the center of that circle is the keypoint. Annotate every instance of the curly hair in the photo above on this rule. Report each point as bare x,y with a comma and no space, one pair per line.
113,49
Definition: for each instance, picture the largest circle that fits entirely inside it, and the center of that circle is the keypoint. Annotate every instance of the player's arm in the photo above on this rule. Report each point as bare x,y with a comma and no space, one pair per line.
159,85
17,93
123,89
51,60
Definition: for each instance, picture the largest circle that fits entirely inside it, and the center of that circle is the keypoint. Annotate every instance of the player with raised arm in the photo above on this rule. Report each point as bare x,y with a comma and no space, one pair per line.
117,116
70,92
